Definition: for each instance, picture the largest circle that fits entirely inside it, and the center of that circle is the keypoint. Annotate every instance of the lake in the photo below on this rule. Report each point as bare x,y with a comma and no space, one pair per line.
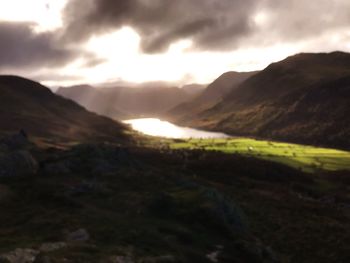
157,127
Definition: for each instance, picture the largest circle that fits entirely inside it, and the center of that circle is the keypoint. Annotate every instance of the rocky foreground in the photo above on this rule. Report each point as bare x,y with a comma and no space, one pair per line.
106,203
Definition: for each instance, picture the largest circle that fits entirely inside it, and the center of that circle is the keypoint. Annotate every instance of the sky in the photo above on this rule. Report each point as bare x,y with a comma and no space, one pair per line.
66,42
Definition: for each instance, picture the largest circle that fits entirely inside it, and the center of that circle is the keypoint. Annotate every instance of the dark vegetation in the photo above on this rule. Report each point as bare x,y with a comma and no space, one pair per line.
159,205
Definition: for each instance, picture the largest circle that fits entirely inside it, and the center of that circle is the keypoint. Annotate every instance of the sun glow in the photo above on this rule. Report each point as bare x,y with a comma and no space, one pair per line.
46,14
124,60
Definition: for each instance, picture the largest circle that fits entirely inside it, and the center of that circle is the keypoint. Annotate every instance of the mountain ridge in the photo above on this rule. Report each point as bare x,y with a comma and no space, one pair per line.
209,97
128,102
28,105
272,103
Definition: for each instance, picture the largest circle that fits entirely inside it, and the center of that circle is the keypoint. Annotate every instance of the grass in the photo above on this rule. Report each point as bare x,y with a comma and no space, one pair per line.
157,202
306,158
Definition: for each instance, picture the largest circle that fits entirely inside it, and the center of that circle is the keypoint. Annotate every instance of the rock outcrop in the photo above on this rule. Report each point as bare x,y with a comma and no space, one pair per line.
15,157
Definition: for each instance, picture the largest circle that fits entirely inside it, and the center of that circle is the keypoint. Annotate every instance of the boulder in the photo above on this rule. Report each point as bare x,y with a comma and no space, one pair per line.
18,163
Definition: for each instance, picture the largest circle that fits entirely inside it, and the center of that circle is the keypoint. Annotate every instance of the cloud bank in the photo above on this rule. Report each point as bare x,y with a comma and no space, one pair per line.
212,25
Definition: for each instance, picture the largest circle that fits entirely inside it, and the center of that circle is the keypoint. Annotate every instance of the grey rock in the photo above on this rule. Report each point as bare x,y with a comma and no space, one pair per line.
213,256
121,259
50,247
20,255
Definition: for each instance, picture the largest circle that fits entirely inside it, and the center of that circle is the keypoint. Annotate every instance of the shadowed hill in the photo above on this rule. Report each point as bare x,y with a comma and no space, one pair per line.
25,104
129,102
209,97
303,99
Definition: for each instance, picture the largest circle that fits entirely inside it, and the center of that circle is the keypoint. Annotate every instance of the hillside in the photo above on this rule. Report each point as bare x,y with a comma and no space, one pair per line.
185,112
303,99
129,102
27,105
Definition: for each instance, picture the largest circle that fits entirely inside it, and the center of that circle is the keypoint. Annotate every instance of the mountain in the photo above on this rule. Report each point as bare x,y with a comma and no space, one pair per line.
128,102
27,105
152,201
185,112
194,89
302,99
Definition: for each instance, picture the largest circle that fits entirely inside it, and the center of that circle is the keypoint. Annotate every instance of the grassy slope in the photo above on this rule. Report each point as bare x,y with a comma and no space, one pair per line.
151,204
305,158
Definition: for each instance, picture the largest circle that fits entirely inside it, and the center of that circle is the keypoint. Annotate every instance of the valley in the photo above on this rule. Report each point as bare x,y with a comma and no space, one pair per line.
305,158
162,131
78,186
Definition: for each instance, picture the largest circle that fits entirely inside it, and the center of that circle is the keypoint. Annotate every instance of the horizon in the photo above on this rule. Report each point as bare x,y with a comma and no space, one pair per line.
174,84
114,83
59,43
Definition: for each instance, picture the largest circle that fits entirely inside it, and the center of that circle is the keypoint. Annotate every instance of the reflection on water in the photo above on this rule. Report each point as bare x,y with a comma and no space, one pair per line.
156,127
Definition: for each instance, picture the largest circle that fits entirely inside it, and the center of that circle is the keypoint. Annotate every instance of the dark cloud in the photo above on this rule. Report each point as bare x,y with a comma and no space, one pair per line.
295,20
21,47
210,24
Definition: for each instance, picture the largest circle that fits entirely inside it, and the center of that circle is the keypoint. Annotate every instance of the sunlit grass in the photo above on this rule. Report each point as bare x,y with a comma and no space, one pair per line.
306,158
